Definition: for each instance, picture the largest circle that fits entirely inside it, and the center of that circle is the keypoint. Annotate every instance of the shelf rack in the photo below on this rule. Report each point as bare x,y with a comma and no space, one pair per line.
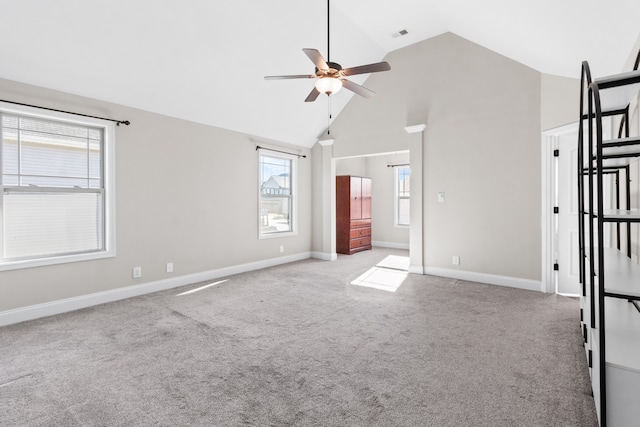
610,278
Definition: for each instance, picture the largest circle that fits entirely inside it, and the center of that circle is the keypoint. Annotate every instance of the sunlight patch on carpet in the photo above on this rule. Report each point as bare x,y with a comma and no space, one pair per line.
202,288
381,278
395,262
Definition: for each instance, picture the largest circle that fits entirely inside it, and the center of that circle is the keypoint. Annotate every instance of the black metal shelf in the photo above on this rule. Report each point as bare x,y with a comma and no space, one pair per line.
621,275
606,273
617,215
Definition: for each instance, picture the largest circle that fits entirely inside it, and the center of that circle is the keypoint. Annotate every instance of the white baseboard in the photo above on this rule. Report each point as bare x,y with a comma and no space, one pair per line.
491,279
416,269
392,245
37,311
324,256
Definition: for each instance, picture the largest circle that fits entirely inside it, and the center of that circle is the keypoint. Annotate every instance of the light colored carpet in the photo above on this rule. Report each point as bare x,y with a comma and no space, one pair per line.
299,345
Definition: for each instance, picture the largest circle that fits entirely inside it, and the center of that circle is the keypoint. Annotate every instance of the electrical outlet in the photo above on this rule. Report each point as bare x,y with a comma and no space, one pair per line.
169,267
456,260
281,248
137,272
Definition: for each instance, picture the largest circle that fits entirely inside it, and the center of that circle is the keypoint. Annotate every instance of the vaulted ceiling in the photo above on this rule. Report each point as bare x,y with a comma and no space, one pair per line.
204,60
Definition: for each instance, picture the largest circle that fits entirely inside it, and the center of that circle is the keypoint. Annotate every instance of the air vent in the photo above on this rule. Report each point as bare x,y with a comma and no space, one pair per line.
400,34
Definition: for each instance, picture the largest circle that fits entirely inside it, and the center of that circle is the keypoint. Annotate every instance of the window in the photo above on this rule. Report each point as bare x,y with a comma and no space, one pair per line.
403,175
55,203
277,189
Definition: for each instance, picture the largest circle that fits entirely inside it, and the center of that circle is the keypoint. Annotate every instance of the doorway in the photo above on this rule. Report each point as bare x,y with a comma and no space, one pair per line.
380,168
560,247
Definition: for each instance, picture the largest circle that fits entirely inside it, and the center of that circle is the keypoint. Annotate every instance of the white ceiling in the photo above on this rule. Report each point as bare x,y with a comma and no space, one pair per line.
204,60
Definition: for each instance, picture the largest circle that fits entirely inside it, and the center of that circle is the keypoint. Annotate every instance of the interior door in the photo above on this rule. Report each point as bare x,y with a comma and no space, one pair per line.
566,220
567,258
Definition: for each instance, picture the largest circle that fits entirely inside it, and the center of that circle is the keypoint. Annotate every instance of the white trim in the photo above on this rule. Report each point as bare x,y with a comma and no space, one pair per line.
293,196
69,304
416,269
415,128
58,259
562,294
392,245
547,183
326,142
548,193
324,256
491,279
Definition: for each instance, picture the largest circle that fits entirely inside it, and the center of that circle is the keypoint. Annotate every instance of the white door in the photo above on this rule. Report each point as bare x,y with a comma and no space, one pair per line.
566,220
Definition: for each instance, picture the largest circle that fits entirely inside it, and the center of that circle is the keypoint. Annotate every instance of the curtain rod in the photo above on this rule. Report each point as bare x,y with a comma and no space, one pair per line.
278,151
118,122
398,164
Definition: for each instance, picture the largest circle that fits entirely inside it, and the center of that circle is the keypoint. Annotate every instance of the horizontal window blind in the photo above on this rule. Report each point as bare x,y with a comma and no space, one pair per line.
47,224
53,200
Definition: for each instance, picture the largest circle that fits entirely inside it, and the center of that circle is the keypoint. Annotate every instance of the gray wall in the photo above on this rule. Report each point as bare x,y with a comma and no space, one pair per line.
481,147
560,99
185,193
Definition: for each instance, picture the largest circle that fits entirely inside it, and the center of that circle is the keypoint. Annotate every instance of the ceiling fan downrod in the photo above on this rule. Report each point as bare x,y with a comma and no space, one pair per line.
328,33
330,76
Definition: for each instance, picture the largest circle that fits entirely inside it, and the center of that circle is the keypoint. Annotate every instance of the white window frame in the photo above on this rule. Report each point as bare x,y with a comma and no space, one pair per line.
397,197
108,159
293,182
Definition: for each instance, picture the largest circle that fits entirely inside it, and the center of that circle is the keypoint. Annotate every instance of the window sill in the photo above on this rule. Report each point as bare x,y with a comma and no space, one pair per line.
41,262
280,234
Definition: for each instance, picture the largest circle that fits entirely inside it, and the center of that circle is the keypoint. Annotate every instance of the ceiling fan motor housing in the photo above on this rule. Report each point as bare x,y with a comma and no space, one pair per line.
333,70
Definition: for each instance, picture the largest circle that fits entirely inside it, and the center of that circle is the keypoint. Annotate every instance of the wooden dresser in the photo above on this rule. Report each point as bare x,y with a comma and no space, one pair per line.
353,214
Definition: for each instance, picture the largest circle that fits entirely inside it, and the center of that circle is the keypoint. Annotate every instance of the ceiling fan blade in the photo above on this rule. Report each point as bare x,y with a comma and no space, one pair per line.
316,58
356,88
313,95
295,76
365,69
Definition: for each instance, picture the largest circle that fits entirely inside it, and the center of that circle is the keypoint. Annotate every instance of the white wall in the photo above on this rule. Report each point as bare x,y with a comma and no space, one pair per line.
186,193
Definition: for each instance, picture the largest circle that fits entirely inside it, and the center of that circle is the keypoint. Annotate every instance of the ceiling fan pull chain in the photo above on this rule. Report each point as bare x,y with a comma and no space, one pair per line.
329,121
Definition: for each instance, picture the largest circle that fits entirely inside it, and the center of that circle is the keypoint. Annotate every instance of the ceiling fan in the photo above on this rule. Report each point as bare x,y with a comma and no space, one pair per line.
331,77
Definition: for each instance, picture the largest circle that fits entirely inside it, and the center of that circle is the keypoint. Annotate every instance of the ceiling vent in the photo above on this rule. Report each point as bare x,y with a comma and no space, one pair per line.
400,34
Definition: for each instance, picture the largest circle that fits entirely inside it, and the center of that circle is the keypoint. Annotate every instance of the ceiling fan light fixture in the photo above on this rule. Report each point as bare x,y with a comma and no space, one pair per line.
328,85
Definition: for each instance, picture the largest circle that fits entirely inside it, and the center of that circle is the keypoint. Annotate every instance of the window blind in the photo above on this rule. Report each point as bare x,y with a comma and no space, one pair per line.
52,188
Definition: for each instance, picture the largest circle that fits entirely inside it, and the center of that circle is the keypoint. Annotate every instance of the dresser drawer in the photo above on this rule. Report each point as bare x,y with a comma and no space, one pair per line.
360,223
364,242
360,232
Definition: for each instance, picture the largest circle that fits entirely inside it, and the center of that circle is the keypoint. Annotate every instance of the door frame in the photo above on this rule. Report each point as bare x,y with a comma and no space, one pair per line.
549,199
